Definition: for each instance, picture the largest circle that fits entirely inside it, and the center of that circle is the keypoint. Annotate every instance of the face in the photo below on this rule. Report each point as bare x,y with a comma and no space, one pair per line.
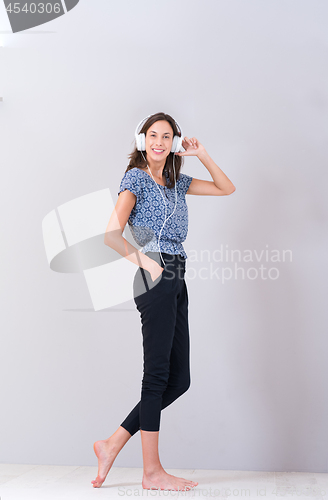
159,138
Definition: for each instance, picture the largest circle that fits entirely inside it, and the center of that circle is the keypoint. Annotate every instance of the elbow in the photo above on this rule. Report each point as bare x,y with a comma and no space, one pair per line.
111,238
226,192
108,240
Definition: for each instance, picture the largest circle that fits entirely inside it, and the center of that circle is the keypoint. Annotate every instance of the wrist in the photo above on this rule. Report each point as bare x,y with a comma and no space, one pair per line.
203,155
151,263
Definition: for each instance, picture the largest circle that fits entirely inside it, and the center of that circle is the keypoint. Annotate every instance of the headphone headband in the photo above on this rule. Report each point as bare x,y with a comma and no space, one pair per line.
141,138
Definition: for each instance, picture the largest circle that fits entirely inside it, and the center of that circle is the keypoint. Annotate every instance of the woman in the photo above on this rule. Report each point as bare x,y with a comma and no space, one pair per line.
152,200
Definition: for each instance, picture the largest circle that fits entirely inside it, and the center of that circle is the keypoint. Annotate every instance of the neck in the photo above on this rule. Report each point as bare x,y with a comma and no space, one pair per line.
157,168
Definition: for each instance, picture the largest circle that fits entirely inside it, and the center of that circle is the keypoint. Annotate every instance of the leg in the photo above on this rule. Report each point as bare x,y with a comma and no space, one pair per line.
177,383
154,475
179,376
158,316
158,332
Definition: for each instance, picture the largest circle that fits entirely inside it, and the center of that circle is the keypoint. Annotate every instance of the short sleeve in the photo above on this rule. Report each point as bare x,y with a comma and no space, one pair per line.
185,182
131,181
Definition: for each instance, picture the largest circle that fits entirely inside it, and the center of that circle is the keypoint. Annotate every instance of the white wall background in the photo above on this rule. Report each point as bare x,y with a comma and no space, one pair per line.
249,80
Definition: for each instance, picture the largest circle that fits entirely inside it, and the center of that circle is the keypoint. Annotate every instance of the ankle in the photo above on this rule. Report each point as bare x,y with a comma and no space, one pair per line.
113,444
153,470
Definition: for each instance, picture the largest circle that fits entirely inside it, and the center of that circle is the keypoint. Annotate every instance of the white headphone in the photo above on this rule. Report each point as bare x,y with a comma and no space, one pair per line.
176,148
141,138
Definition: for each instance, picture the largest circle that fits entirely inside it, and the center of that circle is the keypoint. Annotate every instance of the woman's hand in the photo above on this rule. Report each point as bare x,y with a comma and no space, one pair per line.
192,147
155,270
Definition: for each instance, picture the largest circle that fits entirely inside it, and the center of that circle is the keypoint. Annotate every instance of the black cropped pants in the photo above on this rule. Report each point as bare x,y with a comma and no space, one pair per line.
163,307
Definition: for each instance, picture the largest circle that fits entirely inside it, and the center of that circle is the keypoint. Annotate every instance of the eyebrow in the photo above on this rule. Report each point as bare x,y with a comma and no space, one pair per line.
166,133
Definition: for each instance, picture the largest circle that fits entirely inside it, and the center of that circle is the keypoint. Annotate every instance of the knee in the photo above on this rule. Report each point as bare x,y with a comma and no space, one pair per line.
184,386
154,385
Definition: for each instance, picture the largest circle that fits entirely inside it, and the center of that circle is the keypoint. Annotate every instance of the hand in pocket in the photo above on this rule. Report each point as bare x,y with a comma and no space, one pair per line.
156,272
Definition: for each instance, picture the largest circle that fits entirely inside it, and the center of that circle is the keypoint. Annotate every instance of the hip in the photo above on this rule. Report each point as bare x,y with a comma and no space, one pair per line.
169,281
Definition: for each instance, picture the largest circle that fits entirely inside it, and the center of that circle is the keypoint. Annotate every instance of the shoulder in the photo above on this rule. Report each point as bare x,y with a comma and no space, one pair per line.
134,176
133,173
133,181
184,177
184,181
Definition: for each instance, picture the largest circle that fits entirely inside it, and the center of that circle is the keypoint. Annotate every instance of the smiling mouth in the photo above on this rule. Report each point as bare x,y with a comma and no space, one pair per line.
158,151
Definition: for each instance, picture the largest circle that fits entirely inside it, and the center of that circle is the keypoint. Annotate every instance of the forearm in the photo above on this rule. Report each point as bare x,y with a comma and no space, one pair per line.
220,179
118,243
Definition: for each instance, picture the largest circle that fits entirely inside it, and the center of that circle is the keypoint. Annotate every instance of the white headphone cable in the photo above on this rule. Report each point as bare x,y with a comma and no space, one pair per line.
175,186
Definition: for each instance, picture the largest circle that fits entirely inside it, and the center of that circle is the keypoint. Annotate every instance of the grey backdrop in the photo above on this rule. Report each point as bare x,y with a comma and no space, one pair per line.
249,80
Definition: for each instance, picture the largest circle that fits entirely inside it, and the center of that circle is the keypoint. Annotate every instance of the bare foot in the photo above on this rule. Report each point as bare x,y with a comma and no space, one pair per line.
164,481
106,453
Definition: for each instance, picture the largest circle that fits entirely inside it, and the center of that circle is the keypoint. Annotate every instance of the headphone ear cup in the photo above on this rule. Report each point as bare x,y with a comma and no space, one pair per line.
140,142
143,142
174,144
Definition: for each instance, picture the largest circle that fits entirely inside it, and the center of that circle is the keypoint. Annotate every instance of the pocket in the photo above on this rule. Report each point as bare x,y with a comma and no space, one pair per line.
160,277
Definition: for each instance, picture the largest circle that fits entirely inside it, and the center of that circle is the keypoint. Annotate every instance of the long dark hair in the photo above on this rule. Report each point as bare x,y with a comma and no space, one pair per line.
137,160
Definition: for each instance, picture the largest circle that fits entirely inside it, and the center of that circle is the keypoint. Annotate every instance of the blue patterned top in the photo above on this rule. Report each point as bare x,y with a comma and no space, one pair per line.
148,214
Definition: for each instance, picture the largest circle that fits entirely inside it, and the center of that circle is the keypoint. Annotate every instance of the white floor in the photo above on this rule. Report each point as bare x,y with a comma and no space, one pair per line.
27,482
